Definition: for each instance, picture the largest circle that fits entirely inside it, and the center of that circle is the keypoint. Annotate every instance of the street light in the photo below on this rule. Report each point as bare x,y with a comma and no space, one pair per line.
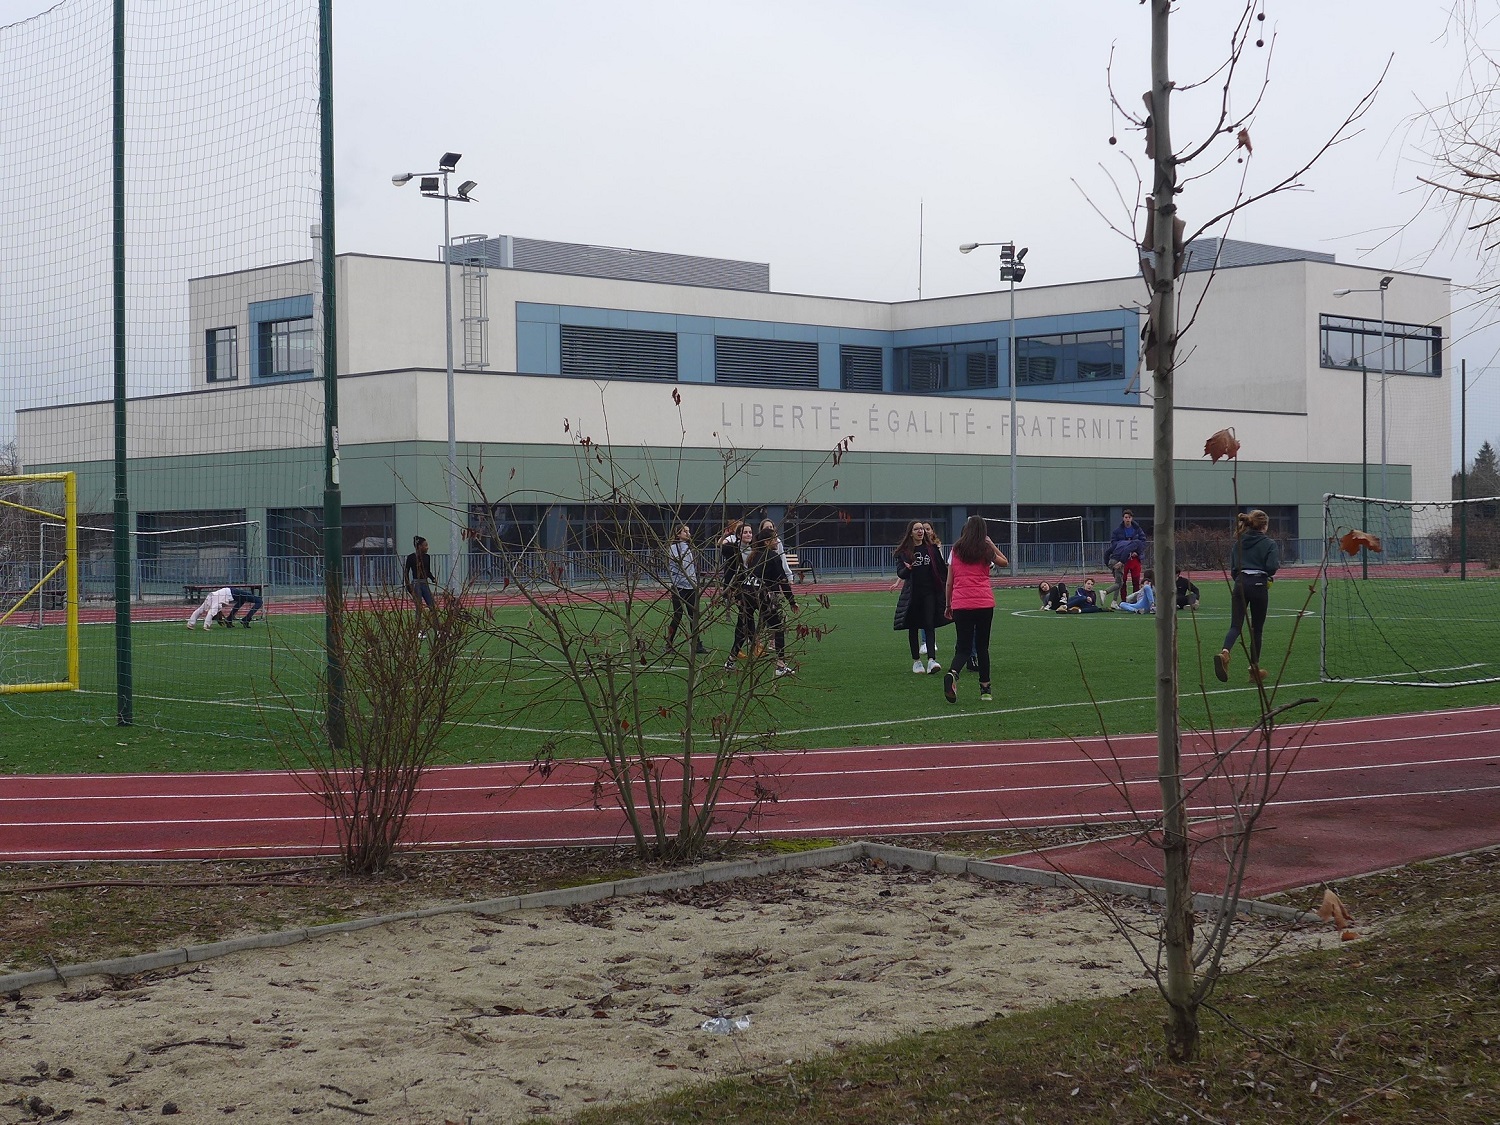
434,185
1385,283
1012,269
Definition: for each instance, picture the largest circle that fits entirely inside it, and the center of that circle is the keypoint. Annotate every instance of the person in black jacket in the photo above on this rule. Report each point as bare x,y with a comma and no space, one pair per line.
1187,593
765,584
1253,562
734,558
1054,596
923,574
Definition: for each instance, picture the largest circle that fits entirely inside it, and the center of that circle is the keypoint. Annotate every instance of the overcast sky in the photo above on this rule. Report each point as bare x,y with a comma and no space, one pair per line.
822,135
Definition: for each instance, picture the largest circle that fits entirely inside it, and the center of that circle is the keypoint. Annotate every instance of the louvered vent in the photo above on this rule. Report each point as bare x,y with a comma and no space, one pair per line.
618,353
981,370
860,368
740,362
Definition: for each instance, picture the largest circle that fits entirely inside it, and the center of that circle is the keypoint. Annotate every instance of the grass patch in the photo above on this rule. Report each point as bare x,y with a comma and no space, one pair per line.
209,701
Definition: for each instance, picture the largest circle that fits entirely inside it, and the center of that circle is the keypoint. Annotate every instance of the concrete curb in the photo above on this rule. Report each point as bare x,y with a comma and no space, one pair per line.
913,858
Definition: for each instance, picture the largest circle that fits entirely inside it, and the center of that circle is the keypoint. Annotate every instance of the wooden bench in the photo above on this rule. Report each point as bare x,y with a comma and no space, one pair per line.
799,569
196,593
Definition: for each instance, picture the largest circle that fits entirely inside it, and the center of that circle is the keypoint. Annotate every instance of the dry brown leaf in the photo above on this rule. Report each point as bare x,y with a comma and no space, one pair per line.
1352,541
1222,444
1242,140
1331,909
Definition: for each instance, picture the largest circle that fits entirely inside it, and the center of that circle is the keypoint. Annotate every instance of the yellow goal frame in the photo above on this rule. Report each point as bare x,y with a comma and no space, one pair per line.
68,517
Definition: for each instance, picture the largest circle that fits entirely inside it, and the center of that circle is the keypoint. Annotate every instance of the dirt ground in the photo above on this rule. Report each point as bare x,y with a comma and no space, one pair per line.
507,1018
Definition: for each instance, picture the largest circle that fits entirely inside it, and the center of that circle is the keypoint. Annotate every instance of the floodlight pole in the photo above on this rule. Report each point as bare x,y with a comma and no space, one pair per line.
1385,528
1012,269
447,166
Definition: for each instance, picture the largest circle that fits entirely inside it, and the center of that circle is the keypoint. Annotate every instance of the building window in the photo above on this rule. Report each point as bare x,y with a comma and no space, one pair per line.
1404,349
286,348
742,362
1070,357
220,358
948,367
618,353
861,368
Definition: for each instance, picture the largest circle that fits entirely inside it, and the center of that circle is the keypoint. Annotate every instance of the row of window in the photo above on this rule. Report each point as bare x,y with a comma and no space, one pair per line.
1069,357
285,350
1381,346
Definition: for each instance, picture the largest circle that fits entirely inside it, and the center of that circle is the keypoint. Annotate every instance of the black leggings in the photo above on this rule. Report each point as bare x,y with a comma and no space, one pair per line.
767,609
923,607
683,600
1251,591
973,627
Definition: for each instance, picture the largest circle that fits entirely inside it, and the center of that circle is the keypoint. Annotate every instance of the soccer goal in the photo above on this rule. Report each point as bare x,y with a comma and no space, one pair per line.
38,570
1411,591
1051,546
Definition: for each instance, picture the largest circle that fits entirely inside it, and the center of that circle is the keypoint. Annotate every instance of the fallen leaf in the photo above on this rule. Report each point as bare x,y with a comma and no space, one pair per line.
1331,909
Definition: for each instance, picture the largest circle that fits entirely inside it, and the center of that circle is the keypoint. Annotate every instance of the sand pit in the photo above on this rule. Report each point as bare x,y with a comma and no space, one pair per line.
507,1018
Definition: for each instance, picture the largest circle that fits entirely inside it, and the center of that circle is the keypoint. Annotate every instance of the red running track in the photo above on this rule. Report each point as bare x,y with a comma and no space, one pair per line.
1359,795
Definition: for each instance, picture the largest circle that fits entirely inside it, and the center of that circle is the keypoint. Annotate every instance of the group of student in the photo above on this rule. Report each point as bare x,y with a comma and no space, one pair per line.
937,590
223,605
753,572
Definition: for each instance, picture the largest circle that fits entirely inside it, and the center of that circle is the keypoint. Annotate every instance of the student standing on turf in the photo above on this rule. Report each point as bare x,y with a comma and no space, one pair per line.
767,582
971,603
417,574
1253,562
924,582
683,572
1127,543
734,559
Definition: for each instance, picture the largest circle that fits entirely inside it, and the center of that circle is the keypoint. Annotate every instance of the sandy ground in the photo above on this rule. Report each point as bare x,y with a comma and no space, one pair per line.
507,1018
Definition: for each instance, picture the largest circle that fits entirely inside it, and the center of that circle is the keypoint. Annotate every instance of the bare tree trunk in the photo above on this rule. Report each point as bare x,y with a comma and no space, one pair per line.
1182,1029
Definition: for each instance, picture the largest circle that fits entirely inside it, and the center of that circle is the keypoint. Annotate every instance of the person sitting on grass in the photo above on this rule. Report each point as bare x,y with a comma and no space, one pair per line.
1054,596
1144,599
1187,593
1084,599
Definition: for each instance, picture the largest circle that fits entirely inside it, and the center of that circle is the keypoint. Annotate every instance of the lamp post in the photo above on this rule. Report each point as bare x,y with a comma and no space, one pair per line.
434,185
1012,269
1385,283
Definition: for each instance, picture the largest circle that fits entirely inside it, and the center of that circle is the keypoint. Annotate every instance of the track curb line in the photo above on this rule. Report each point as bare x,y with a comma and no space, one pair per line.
913,858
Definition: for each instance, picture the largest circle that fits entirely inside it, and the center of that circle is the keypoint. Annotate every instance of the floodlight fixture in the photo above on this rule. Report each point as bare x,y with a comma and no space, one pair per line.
465,188
430,185
1385,283
449,161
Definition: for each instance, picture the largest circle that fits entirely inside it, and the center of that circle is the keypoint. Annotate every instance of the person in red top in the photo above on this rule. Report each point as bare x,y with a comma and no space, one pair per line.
971,603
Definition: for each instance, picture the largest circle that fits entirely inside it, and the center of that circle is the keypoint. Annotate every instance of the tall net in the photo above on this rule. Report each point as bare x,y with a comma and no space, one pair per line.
222,345
38,585
1411,591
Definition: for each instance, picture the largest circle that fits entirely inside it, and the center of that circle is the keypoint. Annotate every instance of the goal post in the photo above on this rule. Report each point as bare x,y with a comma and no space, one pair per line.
29,503
1410,591
1047,546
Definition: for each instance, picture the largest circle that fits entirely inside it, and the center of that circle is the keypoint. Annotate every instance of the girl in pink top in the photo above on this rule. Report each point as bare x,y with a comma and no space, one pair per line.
971,603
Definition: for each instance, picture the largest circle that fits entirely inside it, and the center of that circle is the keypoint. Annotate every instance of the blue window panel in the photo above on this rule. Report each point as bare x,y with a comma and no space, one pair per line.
590,318
654,322
805,332
272,347
545,314
698,325
532,357
828,365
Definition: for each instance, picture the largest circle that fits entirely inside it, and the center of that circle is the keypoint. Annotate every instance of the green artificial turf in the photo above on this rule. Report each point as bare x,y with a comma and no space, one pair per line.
219,700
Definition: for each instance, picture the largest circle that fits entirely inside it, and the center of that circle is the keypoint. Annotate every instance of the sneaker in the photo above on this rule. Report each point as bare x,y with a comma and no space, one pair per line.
702,650
421,636
918,667
922,650
785,670
245,623
729,665
950,687
933,667
985,696
1221,665
1257,675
